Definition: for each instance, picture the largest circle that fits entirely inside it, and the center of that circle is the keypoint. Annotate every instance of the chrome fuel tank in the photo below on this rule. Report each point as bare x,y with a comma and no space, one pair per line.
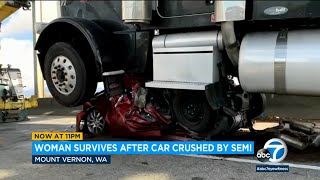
285,62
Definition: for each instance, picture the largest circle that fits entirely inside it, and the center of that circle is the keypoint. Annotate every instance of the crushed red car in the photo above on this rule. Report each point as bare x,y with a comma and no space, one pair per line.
125,113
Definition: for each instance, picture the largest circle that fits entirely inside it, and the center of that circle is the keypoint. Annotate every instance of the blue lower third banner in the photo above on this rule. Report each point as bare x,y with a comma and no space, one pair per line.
139,147
272,168
71,159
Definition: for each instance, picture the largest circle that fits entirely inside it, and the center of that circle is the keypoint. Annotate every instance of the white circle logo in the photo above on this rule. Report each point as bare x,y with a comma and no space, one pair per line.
277,148
277,10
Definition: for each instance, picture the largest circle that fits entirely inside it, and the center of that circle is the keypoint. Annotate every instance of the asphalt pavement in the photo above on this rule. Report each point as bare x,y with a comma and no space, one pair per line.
15,161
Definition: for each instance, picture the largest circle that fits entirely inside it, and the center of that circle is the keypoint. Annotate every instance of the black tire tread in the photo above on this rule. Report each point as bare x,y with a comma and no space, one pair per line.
88,84
201,127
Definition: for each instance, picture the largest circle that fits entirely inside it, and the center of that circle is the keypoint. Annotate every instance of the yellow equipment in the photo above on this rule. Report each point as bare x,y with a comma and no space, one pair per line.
11,95
7,8
26,103
11,88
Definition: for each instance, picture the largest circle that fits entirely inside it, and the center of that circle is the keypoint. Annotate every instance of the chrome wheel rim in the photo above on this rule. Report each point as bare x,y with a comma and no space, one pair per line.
95,122
63,75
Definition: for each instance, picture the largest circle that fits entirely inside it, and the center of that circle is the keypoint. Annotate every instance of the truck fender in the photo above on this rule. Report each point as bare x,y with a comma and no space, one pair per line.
91,34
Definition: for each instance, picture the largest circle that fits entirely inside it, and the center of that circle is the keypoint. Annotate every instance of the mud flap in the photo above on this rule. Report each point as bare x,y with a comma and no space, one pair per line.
214,95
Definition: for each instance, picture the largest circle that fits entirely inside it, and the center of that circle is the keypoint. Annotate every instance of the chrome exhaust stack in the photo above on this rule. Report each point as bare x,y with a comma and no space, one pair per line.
230,42
137,12
227,12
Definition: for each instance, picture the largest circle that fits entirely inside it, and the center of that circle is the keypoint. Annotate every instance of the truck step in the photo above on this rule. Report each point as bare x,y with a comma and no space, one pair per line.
176,85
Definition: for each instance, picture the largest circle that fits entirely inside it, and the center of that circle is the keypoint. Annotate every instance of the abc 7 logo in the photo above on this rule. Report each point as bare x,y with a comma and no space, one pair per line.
275,150
263,155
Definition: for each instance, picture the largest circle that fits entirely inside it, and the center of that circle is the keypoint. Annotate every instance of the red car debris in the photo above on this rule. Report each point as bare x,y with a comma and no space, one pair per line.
122,116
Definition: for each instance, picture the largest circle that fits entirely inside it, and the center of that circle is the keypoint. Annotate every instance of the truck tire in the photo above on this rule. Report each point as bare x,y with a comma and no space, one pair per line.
192,111
257,105
70,81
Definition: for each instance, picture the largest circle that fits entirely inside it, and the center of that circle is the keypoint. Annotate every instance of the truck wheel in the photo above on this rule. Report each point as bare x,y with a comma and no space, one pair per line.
69,80
192,111
257,105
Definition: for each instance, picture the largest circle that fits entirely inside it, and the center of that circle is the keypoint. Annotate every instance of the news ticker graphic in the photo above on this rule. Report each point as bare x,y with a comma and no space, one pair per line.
68,148
71,159
138,147
57,136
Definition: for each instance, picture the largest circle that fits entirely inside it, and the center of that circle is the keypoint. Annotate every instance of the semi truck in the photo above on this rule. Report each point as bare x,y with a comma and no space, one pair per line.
205,64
